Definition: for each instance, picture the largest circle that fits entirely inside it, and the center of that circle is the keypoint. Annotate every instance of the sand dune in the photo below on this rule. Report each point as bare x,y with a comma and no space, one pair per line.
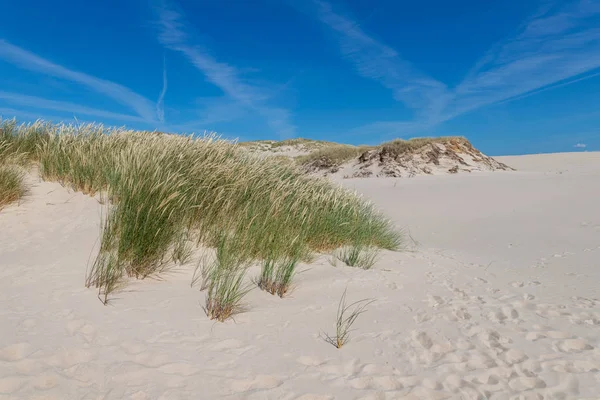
500,299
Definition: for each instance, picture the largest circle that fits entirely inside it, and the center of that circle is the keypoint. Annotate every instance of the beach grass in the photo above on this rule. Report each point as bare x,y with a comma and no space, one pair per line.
160,188
13,157
12,185
347,315
356,255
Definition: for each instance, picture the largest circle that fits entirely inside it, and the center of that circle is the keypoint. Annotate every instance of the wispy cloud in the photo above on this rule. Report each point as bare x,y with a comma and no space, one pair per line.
10,113
160,104
557,46
374,60
32,62
173,34
63,106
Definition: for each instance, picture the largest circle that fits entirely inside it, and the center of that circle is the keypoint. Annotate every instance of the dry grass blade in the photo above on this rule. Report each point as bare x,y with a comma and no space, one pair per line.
346,317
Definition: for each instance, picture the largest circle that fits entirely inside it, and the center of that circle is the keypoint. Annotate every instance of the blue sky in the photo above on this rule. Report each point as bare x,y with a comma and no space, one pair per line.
515,77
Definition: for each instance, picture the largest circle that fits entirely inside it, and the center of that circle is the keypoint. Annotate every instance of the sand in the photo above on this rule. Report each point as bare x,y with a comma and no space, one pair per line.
499,299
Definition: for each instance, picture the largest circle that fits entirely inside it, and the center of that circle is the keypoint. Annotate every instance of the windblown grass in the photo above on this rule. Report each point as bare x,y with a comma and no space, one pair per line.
20,144
224,281
162,188
12,185
13,154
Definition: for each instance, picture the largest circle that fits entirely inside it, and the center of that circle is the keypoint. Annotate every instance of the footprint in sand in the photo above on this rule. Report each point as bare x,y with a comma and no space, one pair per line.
11,384
422,339
435,301
228,344
261,382
461,314
81,328
133,348
15,352
585,318
573,346
183,369
583,302
522,384
310,361
380,383
311,396
70,357
513,356
151,359
45,382
503,314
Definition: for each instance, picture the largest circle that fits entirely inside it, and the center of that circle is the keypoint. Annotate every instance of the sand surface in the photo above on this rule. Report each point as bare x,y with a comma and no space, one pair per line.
499,300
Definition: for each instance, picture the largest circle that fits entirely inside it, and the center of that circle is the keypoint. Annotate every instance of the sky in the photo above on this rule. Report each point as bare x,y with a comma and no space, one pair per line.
514,77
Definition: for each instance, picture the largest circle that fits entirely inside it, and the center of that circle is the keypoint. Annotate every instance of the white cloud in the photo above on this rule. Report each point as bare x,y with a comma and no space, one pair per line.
557,46
160,104
63,106
173,36
376,61
553,46
29,61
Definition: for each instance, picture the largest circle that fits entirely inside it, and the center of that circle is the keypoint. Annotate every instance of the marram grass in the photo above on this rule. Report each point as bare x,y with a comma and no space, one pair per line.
12,185
161,188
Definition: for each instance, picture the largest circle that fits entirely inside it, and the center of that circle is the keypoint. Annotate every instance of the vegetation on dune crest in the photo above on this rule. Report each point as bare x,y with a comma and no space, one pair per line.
333,155
399,146
307,143
162,188
337,154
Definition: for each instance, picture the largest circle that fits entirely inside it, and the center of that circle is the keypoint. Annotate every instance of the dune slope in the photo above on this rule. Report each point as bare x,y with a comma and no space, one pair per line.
499,300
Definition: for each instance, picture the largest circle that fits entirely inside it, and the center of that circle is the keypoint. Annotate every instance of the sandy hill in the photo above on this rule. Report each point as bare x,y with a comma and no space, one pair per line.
399,158
148,266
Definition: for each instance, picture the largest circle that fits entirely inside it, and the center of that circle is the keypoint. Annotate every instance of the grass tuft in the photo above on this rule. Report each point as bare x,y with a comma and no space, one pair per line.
225,282
12,185
161,189
356,255
277,275
346,317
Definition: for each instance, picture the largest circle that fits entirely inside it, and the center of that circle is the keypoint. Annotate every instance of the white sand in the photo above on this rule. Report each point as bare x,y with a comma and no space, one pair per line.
501,300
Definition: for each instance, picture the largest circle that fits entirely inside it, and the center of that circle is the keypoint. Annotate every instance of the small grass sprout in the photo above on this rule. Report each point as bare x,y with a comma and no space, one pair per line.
356,255
346,317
